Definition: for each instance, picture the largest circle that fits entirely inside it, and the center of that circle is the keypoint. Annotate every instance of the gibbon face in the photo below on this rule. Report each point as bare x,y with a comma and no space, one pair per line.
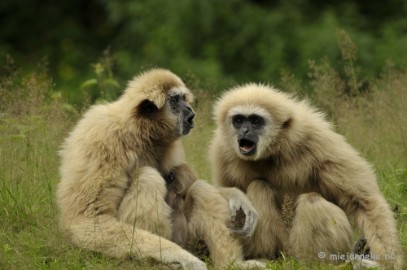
248,120
180,108
176,110
159,105
248,126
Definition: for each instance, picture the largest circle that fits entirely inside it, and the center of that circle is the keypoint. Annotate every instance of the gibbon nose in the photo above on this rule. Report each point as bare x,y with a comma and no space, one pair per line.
245,129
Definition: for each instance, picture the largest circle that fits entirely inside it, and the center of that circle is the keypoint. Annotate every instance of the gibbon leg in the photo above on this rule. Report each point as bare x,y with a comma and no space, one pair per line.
271,234
208,219
144,207
108,235
374,218
320,230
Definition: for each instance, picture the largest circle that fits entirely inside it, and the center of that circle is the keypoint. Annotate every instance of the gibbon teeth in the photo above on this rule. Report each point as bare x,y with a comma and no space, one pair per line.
246,146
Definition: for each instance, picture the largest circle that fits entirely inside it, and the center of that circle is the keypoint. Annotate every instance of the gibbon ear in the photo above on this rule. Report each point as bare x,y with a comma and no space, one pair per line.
287,123
147,108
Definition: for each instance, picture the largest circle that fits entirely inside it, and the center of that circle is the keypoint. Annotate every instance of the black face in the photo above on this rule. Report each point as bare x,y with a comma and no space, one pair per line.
248,129
180,107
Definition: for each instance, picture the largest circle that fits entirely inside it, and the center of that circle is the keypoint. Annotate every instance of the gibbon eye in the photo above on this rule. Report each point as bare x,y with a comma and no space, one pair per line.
256,120
238,120
174,101
147,108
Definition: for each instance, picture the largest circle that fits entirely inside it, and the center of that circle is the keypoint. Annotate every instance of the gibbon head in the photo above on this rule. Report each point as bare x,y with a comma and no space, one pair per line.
159,102
253,119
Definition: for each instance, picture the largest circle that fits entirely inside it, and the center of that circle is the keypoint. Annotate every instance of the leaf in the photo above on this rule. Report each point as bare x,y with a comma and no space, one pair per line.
88,83
111,82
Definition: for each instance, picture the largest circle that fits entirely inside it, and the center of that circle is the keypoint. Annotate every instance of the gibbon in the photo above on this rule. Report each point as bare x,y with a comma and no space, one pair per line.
126,190
305,181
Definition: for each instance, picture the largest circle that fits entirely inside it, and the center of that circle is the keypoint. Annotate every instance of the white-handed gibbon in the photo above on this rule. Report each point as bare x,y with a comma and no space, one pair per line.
126,189
305,181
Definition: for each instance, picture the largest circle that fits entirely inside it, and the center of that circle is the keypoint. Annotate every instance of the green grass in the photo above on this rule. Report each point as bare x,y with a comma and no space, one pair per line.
33,124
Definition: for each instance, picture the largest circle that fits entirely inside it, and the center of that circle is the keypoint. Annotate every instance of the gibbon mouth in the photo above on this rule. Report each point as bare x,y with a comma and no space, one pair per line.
247,147
190,120
187,126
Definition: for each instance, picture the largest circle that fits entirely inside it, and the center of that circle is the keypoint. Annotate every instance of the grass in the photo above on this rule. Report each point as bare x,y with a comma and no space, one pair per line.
33,122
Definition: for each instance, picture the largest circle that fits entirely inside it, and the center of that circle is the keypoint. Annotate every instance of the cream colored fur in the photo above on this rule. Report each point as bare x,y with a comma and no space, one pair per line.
111,193
300,154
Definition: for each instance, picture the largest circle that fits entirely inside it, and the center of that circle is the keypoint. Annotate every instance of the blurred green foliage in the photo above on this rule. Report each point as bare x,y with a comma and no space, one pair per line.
222,42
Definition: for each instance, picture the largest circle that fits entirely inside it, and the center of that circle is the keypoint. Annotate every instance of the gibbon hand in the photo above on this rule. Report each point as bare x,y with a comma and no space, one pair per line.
238,200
